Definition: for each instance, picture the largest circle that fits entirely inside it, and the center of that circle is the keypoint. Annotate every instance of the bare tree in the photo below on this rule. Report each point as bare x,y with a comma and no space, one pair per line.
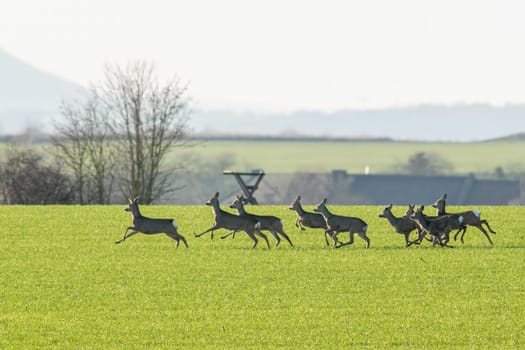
83,141
101,151
122,133
69,144
150,119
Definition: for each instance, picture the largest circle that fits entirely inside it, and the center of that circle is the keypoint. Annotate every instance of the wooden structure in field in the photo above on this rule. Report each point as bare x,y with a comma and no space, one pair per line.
246,188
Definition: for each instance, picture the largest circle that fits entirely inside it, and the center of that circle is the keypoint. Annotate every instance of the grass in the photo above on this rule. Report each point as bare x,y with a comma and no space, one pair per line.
65,285
380,157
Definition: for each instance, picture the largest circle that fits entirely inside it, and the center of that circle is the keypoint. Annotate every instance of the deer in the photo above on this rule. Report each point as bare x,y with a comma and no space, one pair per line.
438,227
223,219
337,223
148,226
470,218
308,219
403,225
268,223
305,218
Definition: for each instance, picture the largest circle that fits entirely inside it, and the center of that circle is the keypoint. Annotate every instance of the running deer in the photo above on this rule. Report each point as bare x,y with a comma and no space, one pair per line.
438,227
470,218
337,223
229,221
268,223
403,225
142,224
304,218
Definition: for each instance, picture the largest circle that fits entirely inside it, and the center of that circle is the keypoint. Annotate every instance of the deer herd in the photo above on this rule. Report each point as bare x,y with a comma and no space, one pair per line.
435,229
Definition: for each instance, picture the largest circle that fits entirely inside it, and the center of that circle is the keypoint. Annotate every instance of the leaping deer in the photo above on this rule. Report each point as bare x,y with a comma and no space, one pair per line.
470,218
337,223
268,223
226,220
304,218
148,226
308,219
403,225
438,227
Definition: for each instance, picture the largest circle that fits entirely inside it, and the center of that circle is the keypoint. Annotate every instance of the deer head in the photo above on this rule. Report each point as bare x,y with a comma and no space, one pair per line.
133,206
239,201
440,201
320,205
387,209
410,211
213,199
295,204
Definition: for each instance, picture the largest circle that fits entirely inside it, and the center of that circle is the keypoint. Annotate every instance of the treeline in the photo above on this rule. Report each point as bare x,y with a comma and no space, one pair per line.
113,141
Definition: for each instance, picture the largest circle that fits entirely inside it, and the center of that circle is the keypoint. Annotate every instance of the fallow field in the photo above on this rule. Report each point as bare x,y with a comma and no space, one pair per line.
65,284
325,155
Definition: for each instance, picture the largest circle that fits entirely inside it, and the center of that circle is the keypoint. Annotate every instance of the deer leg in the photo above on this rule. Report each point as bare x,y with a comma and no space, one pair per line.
363,235
184,241
232,233
420,235
126,235
446,239
417,240
351,241
263,236
281,232
486,223
462,228
479,227
437,239
213,228
277,238
253,238
407,242
326,237
177,237
334,237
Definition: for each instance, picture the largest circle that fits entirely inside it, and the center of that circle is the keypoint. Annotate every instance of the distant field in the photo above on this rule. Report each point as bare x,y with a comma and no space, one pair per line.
380,157
325,156
66,285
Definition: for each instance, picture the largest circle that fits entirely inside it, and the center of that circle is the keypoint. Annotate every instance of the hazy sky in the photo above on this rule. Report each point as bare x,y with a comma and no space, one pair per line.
285,55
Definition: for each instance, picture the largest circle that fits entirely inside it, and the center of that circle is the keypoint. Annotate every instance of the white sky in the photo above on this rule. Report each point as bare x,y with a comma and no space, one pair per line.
285,55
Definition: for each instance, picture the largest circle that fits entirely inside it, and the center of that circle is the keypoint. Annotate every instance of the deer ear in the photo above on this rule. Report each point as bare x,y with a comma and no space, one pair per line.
298,198
390,206
216,195
445,196
324,201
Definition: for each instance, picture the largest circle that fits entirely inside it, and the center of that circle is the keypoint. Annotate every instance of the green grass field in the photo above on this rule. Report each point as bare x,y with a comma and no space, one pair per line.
380,157
65,284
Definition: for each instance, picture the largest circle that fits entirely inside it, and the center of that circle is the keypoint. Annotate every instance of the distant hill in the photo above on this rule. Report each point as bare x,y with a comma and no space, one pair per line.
514,137
28,96
425,122
31,98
